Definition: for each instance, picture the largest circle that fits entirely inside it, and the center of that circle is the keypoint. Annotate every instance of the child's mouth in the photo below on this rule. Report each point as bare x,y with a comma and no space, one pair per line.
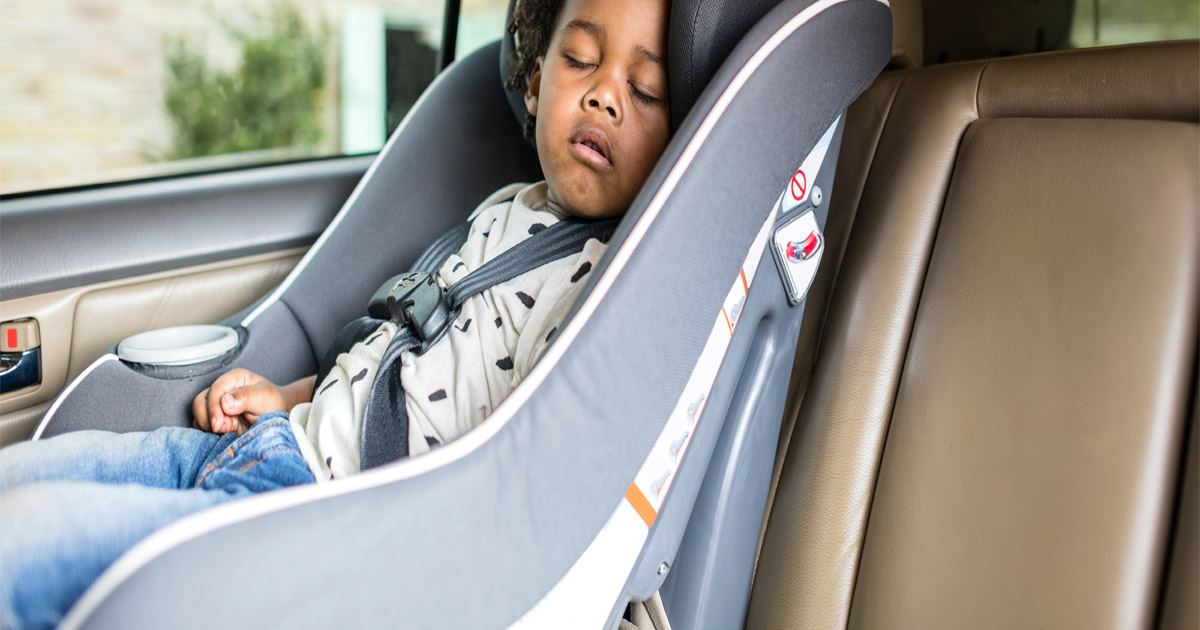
590,145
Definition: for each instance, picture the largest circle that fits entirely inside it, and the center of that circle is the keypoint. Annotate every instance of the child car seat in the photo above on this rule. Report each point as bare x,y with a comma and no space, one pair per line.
659,398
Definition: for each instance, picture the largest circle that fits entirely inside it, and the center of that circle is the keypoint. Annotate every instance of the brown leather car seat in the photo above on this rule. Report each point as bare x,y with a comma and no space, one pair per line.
994,429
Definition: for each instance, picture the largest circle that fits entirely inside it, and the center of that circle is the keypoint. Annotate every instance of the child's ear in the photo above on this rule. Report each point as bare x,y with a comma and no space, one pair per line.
535,87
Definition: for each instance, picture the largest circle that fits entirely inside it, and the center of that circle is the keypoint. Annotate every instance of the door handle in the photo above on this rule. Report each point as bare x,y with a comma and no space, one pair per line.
20,355
19,370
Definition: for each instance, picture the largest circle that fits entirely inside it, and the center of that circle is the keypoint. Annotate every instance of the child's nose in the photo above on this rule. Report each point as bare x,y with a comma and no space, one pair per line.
604,96
595,103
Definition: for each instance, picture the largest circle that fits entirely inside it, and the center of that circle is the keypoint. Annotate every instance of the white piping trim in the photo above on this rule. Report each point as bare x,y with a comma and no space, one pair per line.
197,525
37,434
337,219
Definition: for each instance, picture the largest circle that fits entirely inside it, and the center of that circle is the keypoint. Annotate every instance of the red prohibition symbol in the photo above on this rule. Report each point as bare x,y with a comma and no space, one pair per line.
799,185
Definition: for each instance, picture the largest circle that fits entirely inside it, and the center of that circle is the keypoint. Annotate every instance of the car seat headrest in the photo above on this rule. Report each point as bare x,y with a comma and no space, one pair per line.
702,33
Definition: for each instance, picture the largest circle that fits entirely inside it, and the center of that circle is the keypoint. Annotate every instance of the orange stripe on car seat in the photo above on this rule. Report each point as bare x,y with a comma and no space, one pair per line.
727,322
640,504
745,287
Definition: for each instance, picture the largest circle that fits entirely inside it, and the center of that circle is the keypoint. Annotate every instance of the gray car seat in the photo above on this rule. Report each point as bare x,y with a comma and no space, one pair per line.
540,516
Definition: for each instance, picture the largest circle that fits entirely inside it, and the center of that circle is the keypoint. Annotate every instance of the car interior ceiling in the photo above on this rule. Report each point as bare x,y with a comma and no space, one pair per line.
991,424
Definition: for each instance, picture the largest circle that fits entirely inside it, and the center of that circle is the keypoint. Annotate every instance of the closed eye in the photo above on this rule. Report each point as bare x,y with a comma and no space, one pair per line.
575,63
640,95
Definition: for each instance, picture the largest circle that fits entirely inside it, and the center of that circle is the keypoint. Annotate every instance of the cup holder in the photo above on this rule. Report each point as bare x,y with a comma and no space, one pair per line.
179,345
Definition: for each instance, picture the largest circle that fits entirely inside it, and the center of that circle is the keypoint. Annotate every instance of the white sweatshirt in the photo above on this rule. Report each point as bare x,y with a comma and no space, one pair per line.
495,340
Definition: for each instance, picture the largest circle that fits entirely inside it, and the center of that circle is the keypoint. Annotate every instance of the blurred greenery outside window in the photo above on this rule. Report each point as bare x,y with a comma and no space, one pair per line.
1116,22
98,91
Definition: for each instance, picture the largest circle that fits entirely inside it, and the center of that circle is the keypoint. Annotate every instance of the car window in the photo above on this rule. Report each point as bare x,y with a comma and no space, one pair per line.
114,90
1114,22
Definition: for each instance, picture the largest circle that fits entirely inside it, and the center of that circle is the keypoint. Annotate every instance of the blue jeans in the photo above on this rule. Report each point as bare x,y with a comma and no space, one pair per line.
70,505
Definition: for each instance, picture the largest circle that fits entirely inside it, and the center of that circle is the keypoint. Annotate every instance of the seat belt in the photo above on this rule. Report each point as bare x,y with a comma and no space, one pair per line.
424,310
431,260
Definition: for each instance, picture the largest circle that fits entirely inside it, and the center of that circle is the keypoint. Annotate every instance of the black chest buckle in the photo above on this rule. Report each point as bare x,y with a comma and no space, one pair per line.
417,302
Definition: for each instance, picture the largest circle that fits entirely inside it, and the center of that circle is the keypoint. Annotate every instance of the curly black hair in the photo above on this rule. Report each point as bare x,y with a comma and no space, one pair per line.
532,26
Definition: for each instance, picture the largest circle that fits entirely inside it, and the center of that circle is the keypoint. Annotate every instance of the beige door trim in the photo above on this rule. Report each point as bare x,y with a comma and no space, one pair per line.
58,320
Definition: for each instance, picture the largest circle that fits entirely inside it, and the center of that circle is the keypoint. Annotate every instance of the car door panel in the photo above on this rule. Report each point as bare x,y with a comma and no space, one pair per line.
95,266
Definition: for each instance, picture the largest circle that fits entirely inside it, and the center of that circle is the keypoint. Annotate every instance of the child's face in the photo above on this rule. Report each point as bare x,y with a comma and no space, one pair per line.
601,101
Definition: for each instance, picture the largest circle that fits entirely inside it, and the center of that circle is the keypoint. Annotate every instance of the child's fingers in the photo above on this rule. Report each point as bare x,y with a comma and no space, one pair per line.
222,420
220,408
232,403
200,411
216,417
252,401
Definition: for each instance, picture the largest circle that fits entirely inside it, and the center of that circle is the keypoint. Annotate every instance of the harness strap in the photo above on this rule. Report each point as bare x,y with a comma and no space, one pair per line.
436,254
430,261
557,241
384,436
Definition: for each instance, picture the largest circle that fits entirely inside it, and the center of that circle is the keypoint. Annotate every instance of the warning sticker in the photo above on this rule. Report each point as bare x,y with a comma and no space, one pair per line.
799,187
804,177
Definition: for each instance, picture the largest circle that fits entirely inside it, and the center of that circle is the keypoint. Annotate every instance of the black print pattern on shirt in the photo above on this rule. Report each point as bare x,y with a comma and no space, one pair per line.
327,386
373,338
432,441
581,272
499,322
438,395
458,265
551,333
536,227
465,326
358,377
525,299
505,364
329,465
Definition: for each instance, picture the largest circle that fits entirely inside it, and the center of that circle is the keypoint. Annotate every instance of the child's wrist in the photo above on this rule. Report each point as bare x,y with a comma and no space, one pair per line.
297,392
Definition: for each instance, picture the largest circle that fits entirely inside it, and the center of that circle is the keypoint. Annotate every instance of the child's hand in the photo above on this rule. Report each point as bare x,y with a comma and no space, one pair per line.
235,401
